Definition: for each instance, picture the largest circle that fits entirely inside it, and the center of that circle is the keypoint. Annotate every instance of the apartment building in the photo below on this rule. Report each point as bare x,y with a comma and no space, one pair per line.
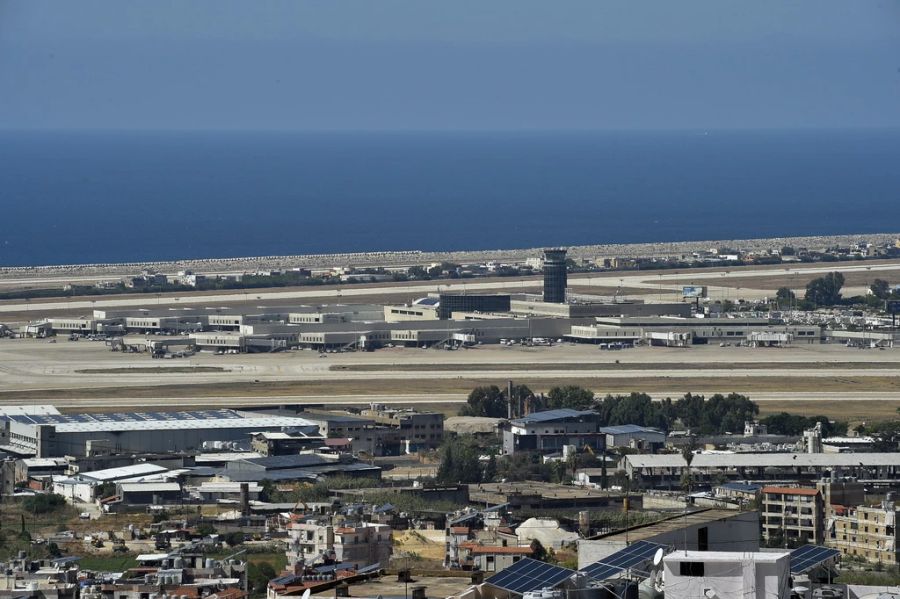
793,516
866,532
361,545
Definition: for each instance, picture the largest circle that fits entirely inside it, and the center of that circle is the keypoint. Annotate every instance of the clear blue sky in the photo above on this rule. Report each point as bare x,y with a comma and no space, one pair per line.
506,64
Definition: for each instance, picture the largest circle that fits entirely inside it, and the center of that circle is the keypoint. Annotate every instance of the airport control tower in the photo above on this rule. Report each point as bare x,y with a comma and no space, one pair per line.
555,275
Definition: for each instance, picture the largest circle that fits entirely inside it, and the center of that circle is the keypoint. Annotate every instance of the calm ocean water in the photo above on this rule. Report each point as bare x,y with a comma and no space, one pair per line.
108,197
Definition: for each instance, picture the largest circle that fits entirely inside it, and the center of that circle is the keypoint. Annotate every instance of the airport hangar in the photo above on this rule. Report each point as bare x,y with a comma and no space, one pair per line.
79,435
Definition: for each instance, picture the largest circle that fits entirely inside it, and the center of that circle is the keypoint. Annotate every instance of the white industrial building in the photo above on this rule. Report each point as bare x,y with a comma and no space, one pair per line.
139,432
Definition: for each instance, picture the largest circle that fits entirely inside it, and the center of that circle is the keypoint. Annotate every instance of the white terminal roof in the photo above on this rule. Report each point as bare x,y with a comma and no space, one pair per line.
134,470
149,421
752,460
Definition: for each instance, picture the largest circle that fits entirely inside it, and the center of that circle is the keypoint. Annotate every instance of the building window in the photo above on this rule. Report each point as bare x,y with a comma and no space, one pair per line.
691,568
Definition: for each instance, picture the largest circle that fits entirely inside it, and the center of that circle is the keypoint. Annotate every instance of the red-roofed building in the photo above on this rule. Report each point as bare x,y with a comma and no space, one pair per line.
455,555
792,516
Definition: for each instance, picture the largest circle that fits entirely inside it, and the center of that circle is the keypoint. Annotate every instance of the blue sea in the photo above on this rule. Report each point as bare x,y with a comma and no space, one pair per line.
77,197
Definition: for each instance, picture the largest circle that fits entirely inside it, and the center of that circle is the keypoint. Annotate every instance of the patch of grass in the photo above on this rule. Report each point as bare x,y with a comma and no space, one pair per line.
152,370
277,559
836,410
648,366
376,386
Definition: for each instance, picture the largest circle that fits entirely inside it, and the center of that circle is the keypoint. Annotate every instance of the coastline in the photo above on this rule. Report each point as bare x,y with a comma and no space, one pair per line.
417,257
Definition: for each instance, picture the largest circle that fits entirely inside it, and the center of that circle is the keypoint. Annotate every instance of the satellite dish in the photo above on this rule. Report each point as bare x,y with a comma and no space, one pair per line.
657,557
306,594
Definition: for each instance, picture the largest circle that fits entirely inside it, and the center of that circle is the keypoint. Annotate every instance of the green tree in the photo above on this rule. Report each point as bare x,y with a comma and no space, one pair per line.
880,289
784,296
569,396
794,424
267,490
107,489
540,553
520,394
719,414
485,401
459,461
490,469
42,504
825,291
636,408
258,576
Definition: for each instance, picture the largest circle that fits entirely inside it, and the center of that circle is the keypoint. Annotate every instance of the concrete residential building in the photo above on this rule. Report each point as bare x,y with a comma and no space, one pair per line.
866,532
417,429
793,515
493,558
366,436
361,545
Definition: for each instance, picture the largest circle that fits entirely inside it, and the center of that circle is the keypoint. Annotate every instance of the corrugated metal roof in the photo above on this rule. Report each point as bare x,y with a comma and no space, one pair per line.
227,487
750,460
151,557
43,462
136,421
149,487
123,472
550,415
625,429
790,491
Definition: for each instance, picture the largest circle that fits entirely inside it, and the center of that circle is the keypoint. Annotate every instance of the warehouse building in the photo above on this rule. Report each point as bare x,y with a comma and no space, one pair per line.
139,432
551,430
300,467
667,469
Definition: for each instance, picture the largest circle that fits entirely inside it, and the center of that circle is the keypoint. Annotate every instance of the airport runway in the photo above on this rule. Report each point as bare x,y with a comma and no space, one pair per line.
658,281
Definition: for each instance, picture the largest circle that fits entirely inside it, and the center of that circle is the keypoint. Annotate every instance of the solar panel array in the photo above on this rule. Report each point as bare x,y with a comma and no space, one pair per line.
620,561
529,575
804,559
126,417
